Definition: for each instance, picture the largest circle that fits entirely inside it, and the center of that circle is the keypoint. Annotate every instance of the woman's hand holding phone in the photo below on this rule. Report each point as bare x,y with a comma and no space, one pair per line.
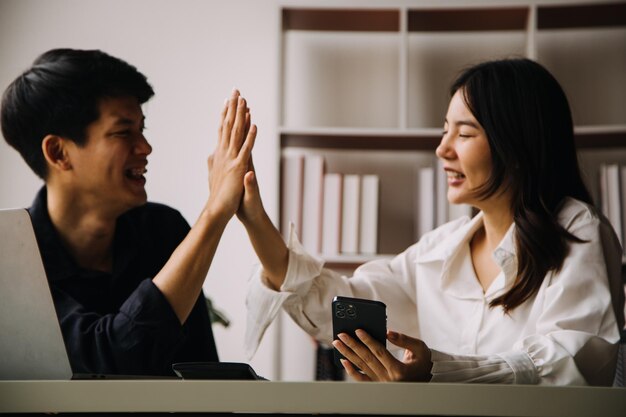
378,364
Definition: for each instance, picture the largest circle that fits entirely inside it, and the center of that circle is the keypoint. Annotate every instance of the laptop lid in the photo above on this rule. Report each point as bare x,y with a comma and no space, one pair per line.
31,343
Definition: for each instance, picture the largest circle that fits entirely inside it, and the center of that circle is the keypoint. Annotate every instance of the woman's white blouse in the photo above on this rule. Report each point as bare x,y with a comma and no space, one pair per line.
565,334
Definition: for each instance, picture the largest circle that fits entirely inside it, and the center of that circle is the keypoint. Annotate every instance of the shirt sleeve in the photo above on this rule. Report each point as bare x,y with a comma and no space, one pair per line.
144,332
309,288
576,332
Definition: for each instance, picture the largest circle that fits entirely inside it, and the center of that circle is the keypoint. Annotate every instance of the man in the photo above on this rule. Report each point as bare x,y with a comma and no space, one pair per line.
126,275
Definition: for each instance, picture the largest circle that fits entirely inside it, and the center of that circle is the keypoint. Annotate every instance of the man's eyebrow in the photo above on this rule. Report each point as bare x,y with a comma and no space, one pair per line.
124,121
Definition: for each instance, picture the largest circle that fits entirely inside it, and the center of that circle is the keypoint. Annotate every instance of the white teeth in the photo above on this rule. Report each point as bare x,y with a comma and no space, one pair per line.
455,175
136,172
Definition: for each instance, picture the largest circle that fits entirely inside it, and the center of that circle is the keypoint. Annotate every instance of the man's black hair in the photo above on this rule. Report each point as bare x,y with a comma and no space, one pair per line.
59,95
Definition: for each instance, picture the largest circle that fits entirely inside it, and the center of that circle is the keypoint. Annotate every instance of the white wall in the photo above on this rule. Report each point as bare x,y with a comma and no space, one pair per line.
193,53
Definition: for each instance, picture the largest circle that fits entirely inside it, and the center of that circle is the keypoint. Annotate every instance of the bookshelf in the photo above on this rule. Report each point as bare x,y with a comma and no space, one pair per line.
367,88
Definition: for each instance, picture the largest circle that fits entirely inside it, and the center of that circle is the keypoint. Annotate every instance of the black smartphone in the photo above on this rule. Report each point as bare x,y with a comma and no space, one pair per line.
215,370
350,314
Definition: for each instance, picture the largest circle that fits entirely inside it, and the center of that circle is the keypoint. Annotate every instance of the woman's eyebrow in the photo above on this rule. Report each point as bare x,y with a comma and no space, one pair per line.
466,122
469,123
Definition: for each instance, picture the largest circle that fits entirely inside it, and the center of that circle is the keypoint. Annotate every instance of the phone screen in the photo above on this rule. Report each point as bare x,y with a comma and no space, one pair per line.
350,314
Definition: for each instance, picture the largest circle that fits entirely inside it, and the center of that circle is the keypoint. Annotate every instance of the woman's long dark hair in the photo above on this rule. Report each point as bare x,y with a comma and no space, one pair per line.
528,124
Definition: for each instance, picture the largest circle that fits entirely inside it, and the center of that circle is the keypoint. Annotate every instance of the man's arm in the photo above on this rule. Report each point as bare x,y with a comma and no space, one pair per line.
182,277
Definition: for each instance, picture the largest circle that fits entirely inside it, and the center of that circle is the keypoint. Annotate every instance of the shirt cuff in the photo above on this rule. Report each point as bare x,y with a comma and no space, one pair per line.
507,368
147,308
263,303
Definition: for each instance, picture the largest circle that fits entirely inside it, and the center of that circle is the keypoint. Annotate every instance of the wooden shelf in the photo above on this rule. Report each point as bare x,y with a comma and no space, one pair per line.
581,16
476,19
590,138
342,20
354,142
587,137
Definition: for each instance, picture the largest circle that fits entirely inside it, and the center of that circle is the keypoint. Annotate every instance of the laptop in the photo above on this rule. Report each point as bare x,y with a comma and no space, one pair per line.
31,342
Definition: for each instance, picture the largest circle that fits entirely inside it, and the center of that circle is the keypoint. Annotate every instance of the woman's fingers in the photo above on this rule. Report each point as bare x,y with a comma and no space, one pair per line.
361,356
378,350
353,372
354,358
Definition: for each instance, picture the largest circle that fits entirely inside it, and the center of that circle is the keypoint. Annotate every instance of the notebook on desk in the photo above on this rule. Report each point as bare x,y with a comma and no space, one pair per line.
31,342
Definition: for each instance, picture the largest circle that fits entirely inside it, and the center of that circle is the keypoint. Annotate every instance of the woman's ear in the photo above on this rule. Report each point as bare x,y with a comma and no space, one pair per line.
55,151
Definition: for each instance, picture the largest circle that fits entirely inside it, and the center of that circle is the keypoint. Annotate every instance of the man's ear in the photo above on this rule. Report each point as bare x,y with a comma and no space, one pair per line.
55,151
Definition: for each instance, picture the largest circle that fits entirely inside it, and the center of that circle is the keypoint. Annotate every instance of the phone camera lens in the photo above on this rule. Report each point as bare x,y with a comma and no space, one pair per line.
340,314
340,306
351,312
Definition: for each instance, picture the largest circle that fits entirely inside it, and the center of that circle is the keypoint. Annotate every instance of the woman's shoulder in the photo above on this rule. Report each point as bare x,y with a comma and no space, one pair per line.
573,213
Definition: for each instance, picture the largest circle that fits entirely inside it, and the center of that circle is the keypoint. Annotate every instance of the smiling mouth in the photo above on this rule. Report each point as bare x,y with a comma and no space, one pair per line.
135,173
454,175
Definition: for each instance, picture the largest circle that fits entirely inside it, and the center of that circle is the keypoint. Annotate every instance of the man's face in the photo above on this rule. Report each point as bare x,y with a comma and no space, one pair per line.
108,169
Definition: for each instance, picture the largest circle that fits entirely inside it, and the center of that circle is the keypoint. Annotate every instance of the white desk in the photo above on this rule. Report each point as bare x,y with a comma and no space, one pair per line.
308,398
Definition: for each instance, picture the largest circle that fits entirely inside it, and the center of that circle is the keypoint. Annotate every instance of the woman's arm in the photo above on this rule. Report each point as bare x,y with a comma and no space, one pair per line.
182,277
265,238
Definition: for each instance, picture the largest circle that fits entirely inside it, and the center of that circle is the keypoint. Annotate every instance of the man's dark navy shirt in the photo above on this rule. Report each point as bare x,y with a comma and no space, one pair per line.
120,322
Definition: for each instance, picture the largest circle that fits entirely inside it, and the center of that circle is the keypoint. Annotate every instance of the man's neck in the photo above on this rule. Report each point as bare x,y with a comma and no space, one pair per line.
85,230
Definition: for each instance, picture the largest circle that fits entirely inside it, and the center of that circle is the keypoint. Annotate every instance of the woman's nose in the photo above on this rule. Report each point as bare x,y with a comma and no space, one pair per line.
444,150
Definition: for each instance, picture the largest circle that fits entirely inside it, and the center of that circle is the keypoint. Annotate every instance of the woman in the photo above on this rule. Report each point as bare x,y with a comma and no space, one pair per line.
528,291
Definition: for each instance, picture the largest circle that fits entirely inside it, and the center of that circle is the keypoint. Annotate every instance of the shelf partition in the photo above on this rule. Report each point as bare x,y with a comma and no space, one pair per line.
369,20
470,19
581,16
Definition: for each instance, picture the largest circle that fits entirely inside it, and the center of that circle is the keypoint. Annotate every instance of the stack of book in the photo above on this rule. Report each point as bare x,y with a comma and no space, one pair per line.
613,197
333,213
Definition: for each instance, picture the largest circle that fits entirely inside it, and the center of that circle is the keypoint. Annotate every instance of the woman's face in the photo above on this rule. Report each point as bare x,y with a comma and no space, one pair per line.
465,153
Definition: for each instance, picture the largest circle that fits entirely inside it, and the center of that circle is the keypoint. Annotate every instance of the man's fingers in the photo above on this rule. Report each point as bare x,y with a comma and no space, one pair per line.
237,133
222,117
229,119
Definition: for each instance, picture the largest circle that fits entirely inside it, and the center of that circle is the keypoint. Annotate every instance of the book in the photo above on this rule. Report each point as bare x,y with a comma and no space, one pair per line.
368,229
291,191
441,195
331,215
613,190
313,194
350,214
623,201
425,203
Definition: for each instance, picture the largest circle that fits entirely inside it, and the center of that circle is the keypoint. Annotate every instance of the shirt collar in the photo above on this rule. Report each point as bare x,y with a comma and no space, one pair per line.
58,263
446,248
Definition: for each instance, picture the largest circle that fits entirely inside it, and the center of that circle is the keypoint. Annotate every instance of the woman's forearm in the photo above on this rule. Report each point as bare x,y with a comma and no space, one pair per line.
270,248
